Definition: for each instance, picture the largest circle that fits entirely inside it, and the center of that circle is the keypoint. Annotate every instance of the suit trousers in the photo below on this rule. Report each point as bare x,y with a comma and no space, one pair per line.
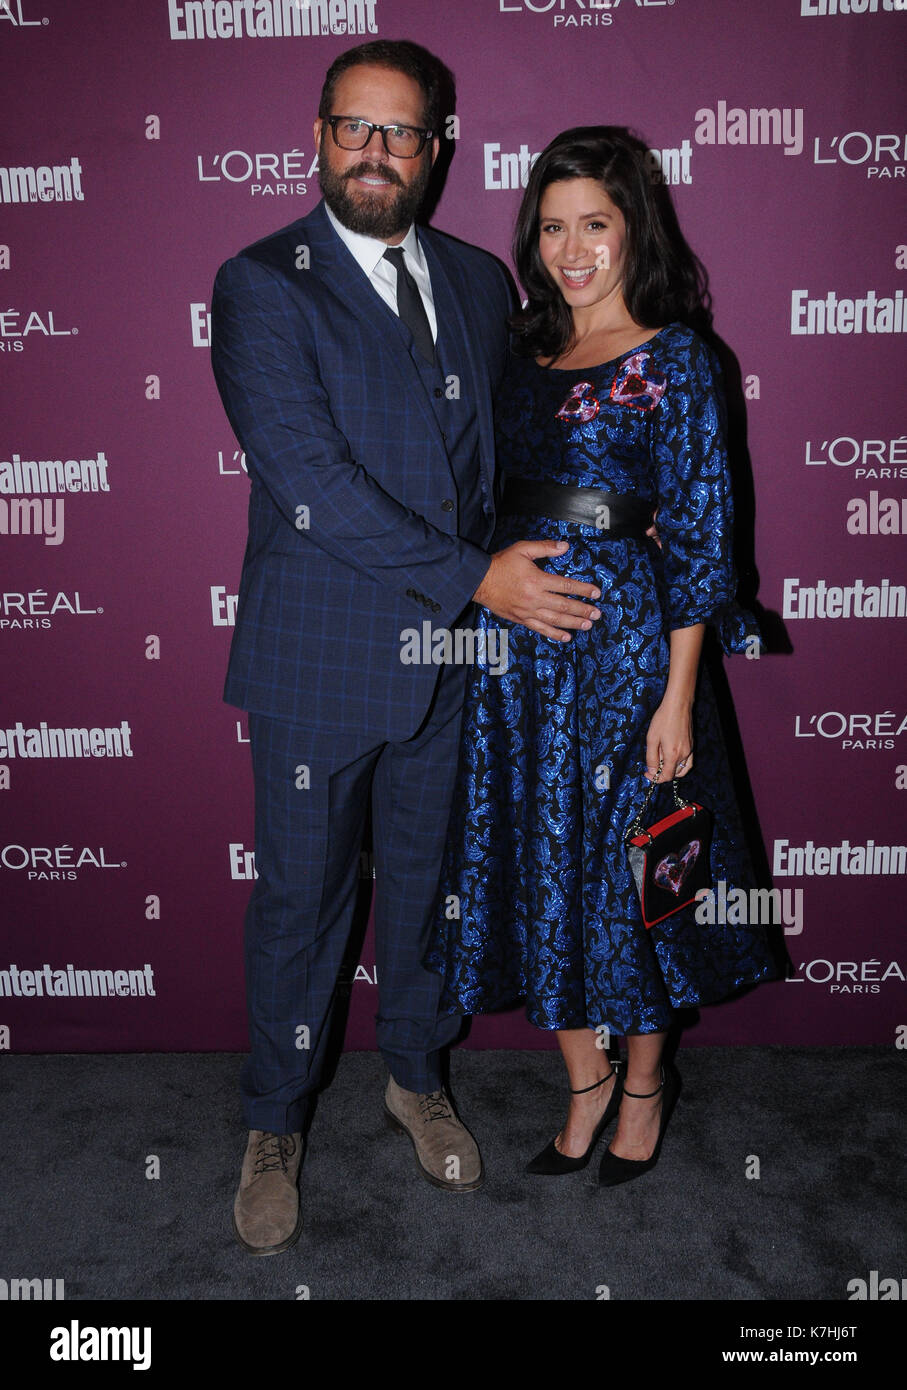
308,837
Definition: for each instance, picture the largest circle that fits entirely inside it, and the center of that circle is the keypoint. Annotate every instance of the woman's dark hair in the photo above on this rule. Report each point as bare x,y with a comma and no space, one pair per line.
400,55
663,280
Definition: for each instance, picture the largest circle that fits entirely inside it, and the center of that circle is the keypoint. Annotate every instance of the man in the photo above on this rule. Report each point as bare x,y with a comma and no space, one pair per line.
356,359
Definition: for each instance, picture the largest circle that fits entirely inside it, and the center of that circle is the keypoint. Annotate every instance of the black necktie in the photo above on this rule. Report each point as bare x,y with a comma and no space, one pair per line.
410,306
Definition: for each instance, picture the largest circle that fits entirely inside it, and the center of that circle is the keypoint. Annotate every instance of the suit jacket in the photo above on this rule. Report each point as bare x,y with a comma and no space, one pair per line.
333,416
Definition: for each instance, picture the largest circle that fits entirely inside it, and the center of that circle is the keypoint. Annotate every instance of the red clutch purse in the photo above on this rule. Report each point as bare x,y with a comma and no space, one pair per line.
670,860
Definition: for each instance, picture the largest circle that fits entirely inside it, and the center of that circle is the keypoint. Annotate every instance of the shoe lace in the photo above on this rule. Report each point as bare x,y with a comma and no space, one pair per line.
435,1106
272,1152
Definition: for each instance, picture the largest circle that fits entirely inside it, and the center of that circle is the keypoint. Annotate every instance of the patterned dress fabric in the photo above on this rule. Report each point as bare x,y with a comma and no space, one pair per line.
536,899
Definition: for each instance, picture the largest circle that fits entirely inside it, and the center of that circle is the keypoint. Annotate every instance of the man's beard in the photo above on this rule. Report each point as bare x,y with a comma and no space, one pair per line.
372,214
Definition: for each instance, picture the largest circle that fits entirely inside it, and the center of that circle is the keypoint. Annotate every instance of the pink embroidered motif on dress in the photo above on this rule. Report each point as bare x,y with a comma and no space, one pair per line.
580,404
633,387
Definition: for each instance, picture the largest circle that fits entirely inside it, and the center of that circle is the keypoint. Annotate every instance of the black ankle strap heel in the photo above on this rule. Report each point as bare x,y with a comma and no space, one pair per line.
595,1084
551,1161
646,1095
614,1169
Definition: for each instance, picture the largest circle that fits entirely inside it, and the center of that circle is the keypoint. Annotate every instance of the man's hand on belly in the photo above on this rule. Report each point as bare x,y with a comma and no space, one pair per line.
516,589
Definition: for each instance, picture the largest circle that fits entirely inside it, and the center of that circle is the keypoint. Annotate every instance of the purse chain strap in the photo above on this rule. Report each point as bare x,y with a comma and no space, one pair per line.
636,825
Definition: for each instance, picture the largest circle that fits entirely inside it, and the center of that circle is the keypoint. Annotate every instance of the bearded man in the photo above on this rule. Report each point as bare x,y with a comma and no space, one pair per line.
357,358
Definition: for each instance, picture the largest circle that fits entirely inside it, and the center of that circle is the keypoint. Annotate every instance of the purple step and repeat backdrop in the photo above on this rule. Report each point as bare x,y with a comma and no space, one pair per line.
144,141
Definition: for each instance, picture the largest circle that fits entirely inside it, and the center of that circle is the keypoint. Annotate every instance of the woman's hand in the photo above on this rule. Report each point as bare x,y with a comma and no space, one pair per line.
669,744
670,738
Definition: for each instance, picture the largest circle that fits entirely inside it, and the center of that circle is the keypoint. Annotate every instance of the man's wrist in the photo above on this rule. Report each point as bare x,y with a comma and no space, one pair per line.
481,585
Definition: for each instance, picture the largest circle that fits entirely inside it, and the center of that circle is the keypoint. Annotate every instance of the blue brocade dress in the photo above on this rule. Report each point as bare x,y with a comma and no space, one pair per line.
536,899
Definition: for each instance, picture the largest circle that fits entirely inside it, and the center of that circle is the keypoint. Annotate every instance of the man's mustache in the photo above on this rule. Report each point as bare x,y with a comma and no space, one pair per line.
383,171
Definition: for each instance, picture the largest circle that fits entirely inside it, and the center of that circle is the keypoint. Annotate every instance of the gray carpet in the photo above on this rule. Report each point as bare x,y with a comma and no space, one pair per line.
824,1123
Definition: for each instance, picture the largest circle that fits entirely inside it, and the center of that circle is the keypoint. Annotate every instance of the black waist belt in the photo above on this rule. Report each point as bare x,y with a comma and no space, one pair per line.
613,513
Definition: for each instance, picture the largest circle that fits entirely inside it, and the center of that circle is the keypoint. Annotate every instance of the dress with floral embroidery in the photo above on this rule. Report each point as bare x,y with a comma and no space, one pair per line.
536,899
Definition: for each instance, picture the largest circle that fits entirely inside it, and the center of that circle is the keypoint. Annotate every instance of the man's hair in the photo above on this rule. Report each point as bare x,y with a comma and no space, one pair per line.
400,55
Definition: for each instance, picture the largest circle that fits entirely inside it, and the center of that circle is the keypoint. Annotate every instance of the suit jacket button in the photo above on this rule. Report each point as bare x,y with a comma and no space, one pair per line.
411,593
447,505
436,608
439,392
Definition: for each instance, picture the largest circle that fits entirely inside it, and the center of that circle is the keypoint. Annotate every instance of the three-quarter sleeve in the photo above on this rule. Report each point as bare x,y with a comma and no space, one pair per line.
695,517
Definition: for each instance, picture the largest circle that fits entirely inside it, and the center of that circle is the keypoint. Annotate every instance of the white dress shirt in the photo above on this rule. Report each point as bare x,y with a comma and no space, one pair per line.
368,252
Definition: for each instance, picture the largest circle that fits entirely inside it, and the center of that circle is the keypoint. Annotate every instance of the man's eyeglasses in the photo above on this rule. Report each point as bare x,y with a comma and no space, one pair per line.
401,141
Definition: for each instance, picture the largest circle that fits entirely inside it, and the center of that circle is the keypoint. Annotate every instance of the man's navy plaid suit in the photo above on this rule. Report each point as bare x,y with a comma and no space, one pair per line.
355,534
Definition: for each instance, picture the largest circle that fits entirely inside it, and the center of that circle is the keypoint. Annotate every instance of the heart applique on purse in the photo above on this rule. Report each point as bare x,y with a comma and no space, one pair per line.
673,871
670,860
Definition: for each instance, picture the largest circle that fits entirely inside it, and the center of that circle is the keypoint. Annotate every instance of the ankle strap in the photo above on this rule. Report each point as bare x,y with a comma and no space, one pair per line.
646,1095
582,1090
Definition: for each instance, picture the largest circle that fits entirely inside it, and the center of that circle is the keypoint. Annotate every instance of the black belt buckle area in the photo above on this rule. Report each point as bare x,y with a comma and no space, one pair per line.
615,514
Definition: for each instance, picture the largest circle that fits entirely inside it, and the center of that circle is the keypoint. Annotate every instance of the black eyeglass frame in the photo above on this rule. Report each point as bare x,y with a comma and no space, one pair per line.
424,134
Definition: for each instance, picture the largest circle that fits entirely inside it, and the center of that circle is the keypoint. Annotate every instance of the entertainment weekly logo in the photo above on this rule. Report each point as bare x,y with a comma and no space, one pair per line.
30,501
831,601
223,606
41,183
819,9
861,860
51,741
507,169
579,14
72,983
200,324
831,313
270,19
243,870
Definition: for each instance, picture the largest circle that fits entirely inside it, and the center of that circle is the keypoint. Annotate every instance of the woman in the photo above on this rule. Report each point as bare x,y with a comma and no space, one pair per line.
610,412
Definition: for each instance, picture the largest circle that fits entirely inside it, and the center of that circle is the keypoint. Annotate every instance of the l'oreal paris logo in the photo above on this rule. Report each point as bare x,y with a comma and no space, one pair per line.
13,12
579,14
589,6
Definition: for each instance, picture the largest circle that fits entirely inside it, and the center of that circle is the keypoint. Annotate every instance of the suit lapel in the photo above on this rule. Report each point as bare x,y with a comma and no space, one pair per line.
454,297
345,278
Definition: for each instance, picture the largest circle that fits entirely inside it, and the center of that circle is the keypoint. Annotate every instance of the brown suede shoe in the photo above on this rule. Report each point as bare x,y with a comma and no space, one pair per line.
266,1216
446,1152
